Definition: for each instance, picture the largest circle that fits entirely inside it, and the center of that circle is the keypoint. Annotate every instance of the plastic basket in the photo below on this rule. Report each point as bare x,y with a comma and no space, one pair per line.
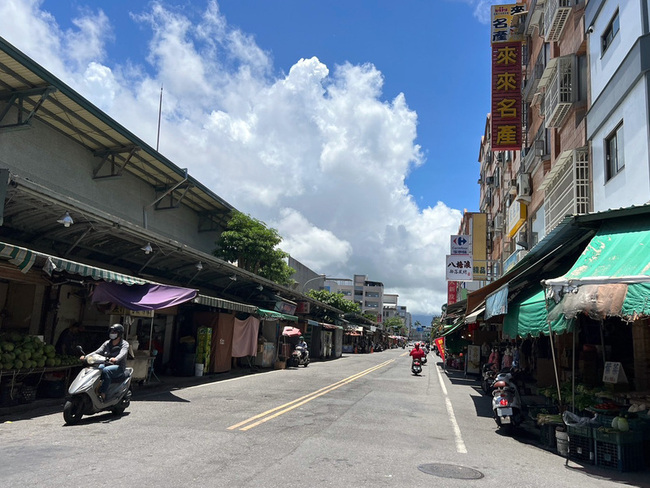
622,457
28,393
604,420
581,447
581,431
547,436
640,425
618,437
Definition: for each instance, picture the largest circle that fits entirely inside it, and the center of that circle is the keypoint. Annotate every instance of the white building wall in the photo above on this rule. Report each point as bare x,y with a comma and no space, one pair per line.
604,65
619,94
631,186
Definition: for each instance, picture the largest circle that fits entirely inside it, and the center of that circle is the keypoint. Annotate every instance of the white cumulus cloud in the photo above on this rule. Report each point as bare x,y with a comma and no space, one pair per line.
317,152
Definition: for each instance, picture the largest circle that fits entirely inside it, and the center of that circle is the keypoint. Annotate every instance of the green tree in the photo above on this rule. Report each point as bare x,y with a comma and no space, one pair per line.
373,317
396,324
254,247
336,300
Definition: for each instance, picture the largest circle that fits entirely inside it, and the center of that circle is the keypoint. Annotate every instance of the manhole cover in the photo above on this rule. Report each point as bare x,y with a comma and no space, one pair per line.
451,471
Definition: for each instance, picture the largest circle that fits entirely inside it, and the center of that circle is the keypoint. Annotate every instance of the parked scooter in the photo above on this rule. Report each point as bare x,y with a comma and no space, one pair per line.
506,402
83,398
299,357
416,367
488,376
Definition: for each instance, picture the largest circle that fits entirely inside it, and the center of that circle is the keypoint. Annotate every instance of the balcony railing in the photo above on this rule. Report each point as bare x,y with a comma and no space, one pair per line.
560,92
556,14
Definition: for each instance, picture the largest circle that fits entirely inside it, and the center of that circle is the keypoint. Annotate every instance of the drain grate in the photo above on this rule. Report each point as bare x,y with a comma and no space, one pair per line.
450,471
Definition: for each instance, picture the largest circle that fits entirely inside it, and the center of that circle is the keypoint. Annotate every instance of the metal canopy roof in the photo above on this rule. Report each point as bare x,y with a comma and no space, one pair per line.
97,238
40,95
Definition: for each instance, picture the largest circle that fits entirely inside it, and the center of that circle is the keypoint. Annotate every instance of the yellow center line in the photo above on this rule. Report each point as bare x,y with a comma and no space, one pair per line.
268,415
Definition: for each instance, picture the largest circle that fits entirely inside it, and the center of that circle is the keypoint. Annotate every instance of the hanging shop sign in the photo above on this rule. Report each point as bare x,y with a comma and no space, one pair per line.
502,25
506,77
130,313
506,96
517,213
452,292
460,267
461,244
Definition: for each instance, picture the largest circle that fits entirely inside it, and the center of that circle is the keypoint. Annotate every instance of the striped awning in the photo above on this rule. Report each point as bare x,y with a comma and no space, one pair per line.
225,304
59,264
21,257
272,314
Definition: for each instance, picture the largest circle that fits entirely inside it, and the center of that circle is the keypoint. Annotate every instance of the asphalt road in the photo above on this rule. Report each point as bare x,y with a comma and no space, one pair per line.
362,420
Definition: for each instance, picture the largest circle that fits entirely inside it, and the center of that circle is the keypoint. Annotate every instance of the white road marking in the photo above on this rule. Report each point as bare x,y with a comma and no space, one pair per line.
460,445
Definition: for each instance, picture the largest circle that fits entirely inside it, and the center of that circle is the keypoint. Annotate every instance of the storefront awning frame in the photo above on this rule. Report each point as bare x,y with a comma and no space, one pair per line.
224,304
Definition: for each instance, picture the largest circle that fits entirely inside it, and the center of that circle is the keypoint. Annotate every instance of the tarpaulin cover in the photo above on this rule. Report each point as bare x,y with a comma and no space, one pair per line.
244,339
529,316
611,277
142,297
497,303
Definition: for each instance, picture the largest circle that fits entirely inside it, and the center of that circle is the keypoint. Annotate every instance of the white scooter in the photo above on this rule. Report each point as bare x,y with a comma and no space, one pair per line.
506,402
83,398
299,357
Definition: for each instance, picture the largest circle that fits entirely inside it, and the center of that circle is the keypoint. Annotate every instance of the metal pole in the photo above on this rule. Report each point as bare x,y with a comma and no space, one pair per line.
573,373
159,115
557,376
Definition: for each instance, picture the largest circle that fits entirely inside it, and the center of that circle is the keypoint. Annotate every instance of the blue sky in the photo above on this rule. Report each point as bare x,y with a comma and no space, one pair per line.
352,127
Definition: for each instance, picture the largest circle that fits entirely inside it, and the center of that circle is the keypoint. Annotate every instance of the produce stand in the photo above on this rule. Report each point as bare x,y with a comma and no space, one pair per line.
15,390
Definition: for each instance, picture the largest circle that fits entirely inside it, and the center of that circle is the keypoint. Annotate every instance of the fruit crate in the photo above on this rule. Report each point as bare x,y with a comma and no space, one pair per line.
622,451
547,436
604,420
581,444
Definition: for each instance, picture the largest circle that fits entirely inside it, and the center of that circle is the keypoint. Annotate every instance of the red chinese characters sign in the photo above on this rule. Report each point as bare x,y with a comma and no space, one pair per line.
452,292
506,96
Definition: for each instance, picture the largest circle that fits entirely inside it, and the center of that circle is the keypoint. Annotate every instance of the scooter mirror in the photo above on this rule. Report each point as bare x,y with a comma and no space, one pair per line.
80,349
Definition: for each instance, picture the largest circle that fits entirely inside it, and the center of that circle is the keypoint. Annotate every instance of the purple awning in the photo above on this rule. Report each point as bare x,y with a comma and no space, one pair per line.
142,297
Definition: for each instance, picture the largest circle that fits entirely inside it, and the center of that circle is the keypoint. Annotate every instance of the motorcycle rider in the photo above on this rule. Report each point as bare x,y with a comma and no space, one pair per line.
116,349
302,347
416,352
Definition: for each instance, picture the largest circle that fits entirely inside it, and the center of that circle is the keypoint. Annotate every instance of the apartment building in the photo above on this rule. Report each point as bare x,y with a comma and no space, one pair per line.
367,293
527,189
617,121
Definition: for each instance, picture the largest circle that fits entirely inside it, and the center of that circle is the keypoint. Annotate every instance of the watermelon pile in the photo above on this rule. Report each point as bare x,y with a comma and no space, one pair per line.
25,352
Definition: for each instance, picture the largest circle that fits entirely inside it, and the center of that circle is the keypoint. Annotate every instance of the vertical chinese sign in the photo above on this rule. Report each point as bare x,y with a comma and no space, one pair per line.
506,80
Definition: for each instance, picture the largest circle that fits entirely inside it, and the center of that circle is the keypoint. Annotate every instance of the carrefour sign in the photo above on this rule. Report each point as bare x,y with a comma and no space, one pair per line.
461,244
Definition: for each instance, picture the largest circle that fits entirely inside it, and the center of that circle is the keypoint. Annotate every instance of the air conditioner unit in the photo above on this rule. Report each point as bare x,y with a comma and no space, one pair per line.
498,221
512,186
524,190
522,239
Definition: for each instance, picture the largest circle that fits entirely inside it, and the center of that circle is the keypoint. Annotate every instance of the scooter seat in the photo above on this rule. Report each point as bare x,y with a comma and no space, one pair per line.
500,384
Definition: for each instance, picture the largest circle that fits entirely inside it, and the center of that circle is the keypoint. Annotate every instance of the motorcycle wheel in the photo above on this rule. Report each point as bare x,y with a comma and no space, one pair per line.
73,410
306,363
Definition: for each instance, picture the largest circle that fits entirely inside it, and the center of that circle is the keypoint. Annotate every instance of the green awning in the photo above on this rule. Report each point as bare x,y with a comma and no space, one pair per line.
448,330
272,314
611,277
19,256
529,315
224,304
59,264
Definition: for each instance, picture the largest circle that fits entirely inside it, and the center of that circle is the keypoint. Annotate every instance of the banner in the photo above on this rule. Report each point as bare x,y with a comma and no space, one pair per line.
440,344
